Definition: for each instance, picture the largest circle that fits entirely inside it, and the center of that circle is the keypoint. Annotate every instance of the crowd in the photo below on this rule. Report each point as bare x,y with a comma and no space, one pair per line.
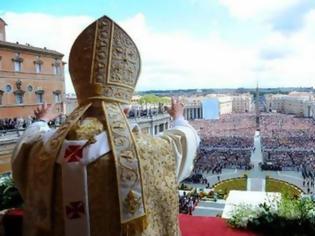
19,123
287,159
225,143
213,160
292,141
238,125
14,123
187,203
228,142
288,142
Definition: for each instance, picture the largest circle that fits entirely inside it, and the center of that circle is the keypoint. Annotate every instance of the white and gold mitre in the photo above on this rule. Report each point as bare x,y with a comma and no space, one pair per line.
104,63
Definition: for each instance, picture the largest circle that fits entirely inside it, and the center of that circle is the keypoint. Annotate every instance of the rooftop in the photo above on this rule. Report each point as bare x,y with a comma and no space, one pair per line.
29,48
3,21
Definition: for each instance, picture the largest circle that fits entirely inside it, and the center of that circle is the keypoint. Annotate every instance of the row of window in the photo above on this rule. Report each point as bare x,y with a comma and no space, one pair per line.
38,65
19,98
38,68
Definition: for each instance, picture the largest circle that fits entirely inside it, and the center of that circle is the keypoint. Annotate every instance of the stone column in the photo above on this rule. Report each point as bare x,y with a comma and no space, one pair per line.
152,129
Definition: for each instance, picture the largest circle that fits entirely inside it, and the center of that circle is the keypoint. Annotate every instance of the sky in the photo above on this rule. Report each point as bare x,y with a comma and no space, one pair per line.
186,44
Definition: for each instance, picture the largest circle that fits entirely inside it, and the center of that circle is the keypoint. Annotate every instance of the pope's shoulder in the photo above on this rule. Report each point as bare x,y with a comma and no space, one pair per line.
153,145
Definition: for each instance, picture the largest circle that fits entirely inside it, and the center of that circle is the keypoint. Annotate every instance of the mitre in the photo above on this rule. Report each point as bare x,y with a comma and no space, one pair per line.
104,63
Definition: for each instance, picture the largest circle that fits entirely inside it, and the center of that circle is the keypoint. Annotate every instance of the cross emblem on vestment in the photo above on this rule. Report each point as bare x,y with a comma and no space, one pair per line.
75,210
73,153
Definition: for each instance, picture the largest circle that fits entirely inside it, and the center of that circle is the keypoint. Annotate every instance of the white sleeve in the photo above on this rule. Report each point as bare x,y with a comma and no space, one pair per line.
180,122
185,144
21,153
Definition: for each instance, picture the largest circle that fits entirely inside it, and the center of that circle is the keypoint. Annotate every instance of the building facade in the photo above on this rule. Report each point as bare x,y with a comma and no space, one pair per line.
29,76
71,103
227,104
193,110
299,104
242,103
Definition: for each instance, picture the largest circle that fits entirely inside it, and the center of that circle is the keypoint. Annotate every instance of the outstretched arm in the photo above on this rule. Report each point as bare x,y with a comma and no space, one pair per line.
184,138
34,133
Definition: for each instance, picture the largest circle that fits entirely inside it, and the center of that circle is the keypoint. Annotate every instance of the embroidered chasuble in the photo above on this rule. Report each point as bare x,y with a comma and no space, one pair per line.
95,175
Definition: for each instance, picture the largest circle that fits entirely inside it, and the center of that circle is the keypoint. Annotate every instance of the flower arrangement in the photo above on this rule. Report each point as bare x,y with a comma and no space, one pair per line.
288,216
9,195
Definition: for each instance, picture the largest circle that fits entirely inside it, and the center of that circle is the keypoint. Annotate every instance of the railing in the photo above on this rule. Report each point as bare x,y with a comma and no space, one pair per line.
139,120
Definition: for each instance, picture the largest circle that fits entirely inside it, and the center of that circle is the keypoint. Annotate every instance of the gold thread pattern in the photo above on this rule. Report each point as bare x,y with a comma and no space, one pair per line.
126,162
101,50
125,60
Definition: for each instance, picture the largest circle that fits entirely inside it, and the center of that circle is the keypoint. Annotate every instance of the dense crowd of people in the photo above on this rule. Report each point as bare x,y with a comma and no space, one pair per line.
228,142
288,142
237,125
225,143
213,161
287,159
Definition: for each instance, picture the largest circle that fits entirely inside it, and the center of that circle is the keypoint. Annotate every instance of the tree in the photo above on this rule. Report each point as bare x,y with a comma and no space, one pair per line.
153,99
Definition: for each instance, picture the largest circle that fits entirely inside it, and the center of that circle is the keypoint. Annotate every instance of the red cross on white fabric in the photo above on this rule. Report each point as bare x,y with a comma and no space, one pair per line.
73,153
75,210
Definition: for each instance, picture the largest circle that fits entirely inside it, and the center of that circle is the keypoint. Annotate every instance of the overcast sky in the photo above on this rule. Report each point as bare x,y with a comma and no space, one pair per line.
186,43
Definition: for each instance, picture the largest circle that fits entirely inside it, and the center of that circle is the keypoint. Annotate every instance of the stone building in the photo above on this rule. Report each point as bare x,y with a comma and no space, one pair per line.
194,109
71,102
309,109
226,104
29,76
242,103
299,104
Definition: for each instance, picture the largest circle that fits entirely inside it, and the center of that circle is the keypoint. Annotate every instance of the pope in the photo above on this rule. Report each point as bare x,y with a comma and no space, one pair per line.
96,175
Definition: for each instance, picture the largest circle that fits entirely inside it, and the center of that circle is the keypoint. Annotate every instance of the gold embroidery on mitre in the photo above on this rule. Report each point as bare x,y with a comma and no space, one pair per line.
110,59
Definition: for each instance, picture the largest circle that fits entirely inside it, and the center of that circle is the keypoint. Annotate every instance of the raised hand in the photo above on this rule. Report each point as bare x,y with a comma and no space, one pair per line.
45,112
177,108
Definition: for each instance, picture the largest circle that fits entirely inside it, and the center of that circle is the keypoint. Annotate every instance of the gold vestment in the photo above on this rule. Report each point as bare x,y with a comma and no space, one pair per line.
104,66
